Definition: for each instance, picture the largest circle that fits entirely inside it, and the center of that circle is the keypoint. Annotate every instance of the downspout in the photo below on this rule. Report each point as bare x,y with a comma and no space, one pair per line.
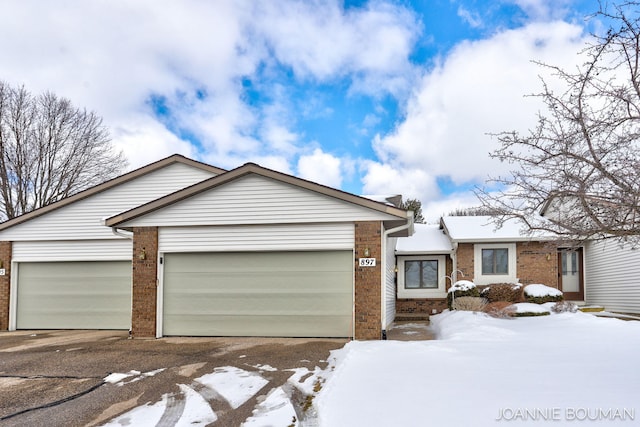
383,283
454,266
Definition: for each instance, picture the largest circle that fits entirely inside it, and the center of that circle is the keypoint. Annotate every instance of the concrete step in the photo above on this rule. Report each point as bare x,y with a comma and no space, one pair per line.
591,308
408,317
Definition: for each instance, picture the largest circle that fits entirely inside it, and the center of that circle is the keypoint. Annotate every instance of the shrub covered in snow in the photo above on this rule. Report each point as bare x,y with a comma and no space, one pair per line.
511,292
539,294
462,288
500,309
564,307
469,303
527,309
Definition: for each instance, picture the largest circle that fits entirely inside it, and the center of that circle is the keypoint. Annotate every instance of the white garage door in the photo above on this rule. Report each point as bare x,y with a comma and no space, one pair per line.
74,295
293,294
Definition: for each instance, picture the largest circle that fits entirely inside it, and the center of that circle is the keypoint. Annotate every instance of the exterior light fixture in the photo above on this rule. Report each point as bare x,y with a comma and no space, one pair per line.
143,254
367,253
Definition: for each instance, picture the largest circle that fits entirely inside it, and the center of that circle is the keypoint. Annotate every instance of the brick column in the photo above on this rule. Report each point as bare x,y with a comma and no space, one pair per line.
5,284
145,273
368,281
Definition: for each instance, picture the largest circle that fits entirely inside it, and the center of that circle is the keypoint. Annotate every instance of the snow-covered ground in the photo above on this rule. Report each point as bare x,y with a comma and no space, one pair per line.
561,369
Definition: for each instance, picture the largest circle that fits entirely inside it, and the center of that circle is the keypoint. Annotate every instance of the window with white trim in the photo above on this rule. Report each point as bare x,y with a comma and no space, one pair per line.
494,263
421,276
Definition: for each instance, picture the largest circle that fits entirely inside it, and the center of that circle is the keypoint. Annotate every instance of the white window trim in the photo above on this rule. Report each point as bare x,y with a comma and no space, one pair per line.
440,292
486,279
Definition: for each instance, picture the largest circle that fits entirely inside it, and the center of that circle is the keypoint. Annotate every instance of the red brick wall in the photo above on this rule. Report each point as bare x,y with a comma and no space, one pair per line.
145,272
537,263
368,281
465,261
420,305
5,284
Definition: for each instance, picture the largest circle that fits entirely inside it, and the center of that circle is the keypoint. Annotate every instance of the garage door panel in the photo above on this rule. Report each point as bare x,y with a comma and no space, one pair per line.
260,294
74,295
267,326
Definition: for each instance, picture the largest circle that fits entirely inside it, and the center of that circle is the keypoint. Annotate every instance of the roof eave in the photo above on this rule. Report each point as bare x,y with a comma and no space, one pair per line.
129,176
247,169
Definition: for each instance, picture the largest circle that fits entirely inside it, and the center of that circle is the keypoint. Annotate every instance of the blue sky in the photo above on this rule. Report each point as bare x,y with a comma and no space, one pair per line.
372,97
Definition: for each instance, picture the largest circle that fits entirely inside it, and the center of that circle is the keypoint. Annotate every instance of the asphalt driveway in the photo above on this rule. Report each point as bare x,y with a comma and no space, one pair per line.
57,378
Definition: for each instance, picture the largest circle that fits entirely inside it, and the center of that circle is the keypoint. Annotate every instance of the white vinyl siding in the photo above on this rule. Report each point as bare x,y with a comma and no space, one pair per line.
73,250
84,218
389,281
257,200
74,295
296,294
256,238
611,277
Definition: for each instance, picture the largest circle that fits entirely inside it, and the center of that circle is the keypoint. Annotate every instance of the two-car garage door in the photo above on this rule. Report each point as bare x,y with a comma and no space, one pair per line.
294,294
74,295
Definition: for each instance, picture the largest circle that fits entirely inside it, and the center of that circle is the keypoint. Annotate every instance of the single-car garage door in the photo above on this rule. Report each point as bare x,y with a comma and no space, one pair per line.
74,295
293,294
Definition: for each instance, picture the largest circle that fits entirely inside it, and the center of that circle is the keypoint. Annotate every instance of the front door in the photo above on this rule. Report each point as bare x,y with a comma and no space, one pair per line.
570,274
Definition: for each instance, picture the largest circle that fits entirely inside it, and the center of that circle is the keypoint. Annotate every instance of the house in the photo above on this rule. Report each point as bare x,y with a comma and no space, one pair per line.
183,248
611,272
473,248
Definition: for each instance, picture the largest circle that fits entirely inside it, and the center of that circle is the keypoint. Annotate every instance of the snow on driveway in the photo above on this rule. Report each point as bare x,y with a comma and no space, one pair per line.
564,369
236,386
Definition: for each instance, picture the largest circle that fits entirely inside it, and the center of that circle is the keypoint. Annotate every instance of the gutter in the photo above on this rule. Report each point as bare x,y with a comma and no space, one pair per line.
385,235
119,233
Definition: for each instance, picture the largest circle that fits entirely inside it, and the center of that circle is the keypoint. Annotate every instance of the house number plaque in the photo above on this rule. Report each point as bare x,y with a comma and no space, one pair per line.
367,262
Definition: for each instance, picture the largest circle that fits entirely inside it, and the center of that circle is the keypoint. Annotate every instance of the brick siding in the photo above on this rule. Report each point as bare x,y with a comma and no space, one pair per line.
536,262
368,281
5,284
145,271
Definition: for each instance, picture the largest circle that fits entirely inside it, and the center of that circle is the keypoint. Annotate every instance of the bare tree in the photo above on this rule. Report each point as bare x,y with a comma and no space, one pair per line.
581,163
49,150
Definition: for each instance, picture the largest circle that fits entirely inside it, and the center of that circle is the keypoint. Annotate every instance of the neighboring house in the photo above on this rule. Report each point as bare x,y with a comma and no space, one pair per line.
472,248
183,248
611,269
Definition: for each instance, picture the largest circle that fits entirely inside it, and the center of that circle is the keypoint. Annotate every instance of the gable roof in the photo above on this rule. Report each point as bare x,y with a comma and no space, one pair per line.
252,168
427,239
175,158
478,229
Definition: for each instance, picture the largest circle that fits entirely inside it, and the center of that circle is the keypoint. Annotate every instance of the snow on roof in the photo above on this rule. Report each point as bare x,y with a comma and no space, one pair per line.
393,200
427,238
483,229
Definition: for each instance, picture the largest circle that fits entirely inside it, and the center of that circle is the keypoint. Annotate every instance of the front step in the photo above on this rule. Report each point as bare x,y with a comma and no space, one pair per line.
591,308
408,317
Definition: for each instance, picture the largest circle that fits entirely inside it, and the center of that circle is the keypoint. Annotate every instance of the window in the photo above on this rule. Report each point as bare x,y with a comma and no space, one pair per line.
421,274
495,261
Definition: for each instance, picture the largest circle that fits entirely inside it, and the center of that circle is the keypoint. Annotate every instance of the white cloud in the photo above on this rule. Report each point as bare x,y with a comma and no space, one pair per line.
111,57
320,40
477,89
321,167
